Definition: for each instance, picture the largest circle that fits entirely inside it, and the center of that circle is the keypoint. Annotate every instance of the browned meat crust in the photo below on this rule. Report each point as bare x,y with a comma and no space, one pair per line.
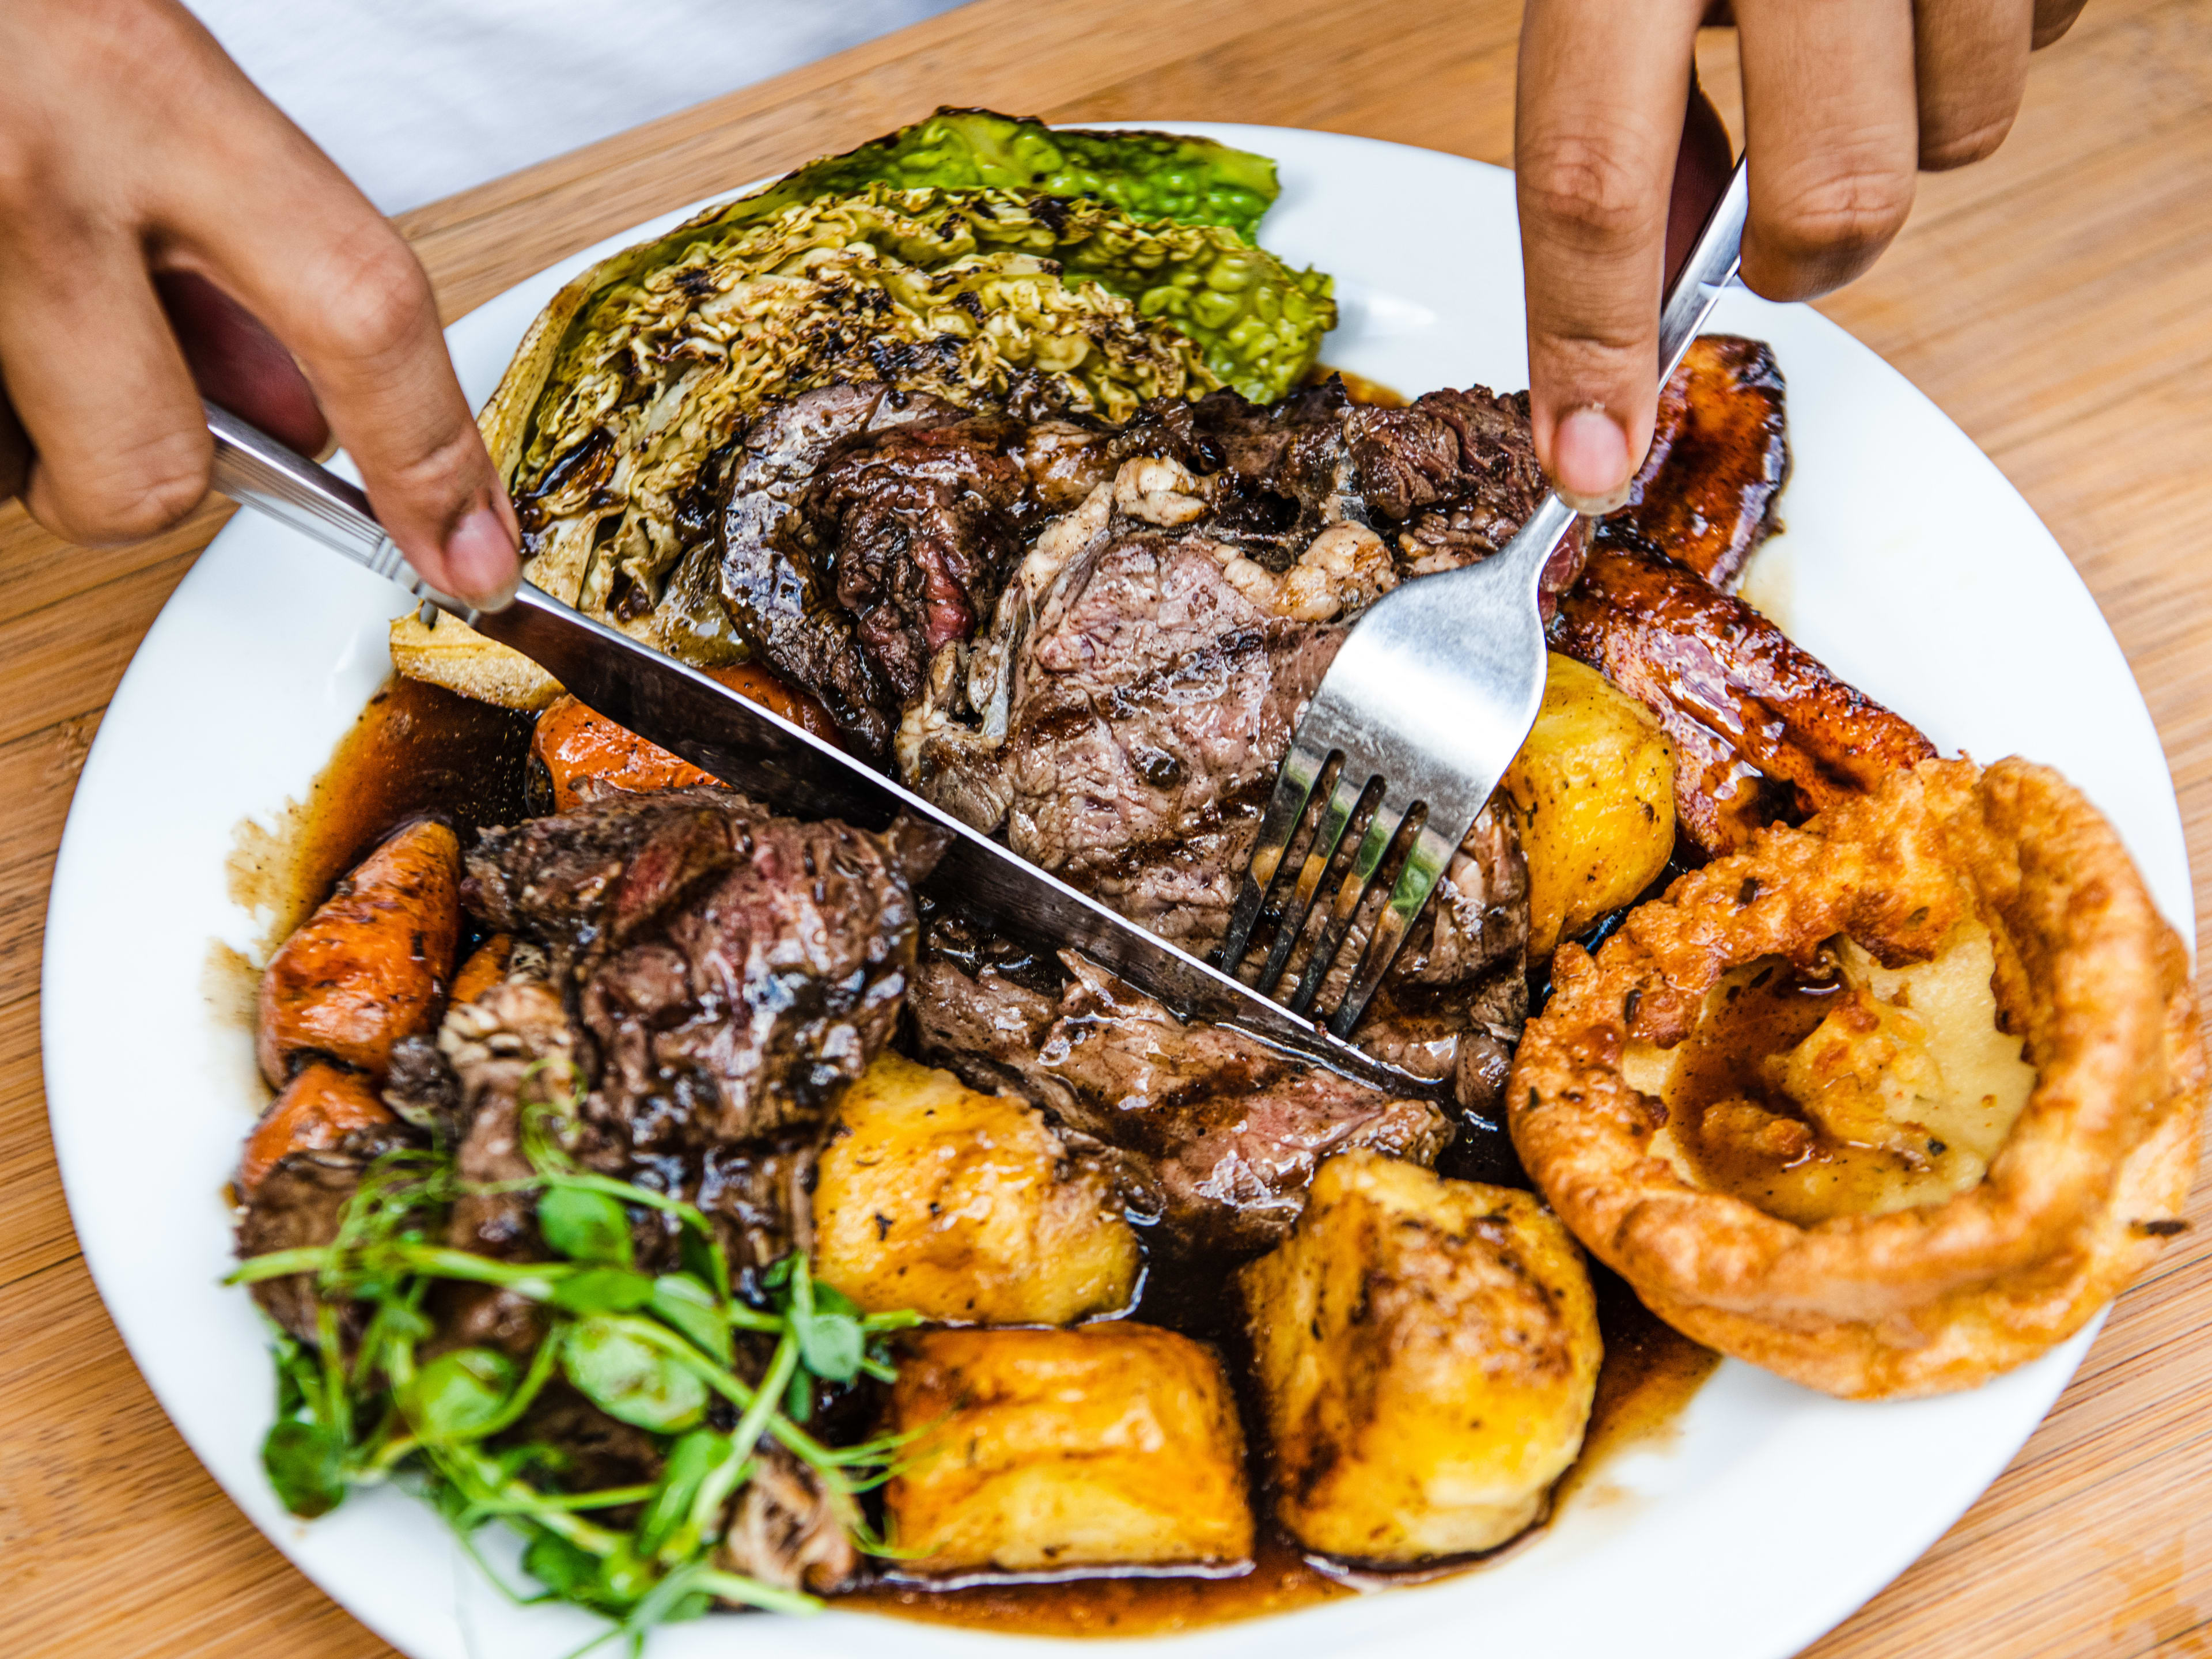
1760,728
863,530
1720,454
1153,703
298,1205
735,969
1223,1131
778,600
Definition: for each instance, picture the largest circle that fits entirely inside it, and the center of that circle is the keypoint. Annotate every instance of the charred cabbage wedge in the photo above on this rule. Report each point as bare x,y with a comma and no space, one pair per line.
974,258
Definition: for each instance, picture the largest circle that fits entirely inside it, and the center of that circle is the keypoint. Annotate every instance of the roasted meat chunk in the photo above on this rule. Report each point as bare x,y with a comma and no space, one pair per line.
297,1205
1720,454
734,970
1760,729
1123,718
921,522
862,531
1228,1131
510,1050
779,602
1151,704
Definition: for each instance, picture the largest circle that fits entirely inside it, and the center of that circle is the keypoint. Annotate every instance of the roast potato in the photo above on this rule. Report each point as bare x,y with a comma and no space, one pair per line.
1593,795
965,1207
1112,1444
1427,1352
371,965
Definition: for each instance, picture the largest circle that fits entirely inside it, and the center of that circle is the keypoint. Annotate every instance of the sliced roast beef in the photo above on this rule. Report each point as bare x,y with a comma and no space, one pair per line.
863,530
1228,1130
919,524
779,601
732,970
752,1005
1151,704
589,879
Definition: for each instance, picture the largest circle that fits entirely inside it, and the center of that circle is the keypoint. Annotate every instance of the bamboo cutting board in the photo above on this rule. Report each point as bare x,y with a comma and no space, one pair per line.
2056,301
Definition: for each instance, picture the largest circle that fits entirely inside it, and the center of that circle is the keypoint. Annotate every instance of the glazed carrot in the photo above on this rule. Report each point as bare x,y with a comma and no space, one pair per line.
317,1109
760,685
575,743
485,968
371,966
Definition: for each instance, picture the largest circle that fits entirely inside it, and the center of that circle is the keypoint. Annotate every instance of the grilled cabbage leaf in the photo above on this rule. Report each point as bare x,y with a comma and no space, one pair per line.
1147,175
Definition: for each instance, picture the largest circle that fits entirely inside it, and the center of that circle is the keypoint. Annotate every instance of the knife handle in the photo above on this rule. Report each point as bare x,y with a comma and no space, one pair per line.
255,471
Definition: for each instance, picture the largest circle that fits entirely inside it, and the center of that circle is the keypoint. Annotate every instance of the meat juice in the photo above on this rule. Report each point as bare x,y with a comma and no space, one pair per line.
417,749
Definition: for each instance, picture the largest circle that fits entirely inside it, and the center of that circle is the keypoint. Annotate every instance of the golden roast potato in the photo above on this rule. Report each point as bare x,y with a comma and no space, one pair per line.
1888,1103
1427,1352
965,1207
1593,796
1112,1444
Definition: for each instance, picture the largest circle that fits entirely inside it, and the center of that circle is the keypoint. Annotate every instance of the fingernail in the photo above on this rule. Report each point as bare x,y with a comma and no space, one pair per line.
1590,462
480,556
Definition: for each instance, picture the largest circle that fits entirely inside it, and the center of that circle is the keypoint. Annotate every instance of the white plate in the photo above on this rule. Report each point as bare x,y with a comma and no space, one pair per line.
1910,566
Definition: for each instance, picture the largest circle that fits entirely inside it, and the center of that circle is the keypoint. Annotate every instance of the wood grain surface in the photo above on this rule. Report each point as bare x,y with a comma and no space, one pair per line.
2056,301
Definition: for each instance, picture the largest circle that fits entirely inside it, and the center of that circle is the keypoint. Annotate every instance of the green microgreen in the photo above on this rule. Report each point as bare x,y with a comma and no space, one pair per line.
373,1396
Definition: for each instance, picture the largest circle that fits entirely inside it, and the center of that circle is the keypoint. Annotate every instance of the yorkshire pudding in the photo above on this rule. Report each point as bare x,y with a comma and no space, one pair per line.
1794,1198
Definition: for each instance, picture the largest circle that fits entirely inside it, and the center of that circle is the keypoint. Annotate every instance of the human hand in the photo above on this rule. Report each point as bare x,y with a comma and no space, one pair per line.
165,234
1843,101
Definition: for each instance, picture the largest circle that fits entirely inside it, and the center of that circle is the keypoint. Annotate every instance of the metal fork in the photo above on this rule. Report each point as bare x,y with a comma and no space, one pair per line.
1430,697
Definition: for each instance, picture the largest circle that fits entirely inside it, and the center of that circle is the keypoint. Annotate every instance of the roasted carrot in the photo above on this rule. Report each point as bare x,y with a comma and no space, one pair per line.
317,1109
574,743
485,968
371,966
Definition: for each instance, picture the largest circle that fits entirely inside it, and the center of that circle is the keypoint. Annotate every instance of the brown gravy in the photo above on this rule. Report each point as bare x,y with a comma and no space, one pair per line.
417,749
1732,1063
1361,390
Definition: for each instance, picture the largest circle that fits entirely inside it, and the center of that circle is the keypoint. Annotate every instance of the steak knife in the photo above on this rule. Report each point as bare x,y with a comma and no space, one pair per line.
774,762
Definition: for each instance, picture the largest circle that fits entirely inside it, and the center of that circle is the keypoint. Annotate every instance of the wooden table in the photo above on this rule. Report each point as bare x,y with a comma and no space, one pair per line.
2056,301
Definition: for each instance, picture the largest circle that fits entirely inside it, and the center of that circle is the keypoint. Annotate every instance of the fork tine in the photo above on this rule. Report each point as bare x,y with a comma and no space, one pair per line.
1294,784
1382,831
1343,802
1426,862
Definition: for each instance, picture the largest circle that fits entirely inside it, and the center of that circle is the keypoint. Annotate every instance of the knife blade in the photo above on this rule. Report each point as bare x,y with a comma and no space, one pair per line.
774,762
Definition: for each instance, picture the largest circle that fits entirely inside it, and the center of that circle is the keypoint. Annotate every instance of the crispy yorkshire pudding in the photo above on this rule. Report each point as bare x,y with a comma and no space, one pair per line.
1887,1104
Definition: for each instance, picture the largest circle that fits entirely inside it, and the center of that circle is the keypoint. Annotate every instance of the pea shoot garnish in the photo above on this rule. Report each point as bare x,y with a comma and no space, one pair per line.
372,1398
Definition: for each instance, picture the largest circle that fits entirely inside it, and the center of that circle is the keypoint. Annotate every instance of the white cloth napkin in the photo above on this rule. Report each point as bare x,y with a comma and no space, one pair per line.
417,99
